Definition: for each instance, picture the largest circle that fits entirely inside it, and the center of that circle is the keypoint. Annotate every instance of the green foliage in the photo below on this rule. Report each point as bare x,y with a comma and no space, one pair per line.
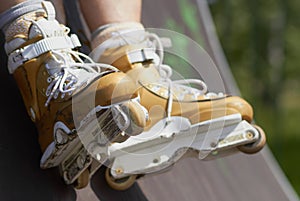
261,42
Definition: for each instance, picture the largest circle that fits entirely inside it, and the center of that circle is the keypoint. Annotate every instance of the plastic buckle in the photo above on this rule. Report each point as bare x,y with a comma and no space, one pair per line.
75,41
16,59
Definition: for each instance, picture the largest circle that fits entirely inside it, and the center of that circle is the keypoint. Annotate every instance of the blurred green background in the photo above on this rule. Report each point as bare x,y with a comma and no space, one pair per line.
261,40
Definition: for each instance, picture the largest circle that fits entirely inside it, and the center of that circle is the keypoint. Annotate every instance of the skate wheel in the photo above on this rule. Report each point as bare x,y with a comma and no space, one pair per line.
254,147
119,184
83,180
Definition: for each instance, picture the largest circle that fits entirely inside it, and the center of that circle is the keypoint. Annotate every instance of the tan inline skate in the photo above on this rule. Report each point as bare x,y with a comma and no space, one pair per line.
52,77
183,119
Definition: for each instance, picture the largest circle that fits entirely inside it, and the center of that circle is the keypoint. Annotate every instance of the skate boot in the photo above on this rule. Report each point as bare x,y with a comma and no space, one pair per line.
57,82
183,119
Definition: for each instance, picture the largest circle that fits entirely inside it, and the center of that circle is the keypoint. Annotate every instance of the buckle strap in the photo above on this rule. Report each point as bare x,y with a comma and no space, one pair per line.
50,10
20,56
142,55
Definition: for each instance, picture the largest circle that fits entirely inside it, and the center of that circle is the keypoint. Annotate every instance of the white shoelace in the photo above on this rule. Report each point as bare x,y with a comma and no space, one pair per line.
63,77
67,80
165,72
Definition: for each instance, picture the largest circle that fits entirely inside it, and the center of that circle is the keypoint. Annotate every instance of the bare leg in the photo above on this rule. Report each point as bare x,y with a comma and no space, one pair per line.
101,12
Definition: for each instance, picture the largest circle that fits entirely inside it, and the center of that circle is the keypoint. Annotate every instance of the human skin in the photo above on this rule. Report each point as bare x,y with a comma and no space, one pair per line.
101,12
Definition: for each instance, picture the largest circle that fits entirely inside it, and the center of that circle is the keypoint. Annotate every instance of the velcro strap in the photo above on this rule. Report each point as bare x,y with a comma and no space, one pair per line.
20,56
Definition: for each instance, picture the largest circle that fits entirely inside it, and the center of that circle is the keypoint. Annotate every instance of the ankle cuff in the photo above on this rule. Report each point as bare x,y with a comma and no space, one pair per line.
105,32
